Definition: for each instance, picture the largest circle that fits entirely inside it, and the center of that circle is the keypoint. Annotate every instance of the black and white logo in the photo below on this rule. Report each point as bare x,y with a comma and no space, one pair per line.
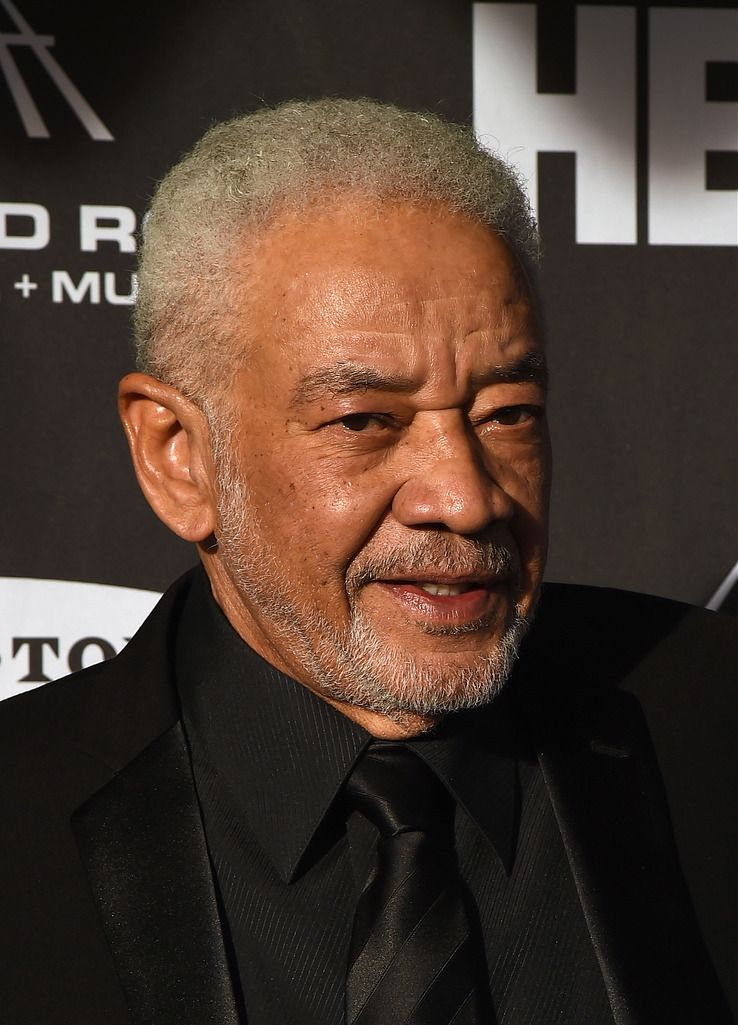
54,627
28,112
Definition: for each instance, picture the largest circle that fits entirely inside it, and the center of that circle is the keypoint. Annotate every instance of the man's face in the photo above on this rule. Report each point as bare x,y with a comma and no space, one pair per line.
383,498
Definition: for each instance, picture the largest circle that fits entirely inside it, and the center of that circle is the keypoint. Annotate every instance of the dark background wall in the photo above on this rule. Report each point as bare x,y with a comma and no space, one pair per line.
643,336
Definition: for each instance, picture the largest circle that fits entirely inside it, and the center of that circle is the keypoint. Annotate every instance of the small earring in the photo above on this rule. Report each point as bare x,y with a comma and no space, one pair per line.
210,544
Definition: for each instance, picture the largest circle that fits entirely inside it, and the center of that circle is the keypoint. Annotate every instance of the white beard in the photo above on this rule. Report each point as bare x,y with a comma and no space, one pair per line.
357,665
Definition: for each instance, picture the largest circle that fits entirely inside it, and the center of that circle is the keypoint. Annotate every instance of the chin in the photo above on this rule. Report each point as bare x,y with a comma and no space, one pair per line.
395,682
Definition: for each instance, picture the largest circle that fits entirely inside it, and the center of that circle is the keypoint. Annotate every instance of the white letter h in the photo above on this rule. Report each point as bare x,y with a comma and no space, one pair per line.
598,123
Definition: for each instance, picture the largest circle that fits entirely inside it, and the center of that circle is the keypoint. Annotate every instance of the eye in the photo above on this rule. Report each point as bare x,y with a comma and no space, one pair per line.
511,416
358,422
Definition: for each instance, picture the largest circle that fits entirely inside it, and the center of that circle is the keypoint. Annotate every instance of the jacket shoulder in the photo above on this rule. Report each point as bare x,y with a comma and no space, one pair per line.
108,709
50,707
610,606
635,641
679,662
59,745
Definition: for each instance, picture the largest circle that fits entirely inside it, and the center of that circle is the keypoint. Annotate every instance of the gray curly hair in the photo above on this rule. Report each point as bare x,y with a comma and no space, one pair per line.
244,172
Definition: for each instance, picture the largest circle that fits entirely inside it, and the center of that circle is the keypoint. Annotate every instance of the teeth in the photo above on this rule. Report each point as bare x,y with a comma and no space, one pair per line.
445,589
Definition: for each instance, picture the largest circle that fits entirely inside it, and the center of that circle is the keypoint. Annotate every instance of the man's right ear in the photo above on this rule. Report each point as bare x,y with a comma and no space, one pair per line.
170,446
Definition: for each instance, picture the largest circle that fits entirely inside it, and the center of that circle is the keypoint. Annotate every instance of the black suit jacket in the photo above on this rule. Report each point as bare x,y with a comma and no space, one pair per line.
108,914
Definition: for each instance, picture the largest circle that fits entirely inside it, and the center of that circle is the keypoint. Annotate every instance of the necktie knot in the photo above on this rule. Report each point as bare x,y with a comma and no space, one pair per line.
399,793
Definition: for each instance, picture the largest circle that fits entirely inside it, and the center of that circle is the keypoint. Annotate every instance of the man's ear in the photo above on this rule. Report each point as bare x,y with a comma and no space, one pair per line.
170,447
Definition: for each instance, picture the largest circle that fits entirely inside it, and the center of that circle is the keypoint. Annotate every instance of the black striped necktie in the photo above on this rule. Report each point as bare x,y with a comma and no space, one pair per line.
414,958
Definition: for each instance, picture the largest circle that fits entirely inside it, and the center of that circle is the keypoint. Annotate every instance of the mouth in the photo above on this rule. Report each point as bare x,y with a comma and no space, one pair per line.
445,590
453,600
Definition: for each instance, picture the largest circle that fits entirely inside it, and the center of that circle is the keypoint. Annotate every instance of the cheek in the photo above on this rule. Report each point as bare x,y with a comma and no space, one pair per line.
326,516
535,489
524,473
526,479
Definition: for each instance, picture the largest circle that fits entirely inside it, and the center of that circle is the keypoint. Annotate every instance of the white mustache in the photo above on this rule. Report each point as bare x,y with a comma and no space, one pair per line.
435,553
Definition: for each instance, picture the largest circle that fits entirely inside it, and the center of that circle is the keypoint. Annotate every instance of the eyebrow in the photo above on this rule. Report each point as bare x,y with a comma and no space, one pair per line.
348,378
533,366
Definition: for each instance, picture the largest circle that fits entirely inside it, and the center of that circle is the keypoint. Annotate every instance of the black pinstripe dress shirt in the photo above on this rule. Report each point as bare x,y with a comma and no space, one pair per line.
270,759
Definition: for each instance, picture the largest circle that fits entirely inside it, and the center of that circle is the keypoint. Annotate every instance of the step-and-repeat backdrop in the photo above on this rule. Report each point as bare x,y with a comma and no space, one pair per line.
623,120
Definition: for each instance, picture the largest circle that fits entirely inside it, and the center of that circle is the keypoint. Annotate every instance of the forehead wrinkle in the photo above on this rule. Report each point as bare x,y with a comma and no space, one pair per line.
332,298
345,378
350,333
481,305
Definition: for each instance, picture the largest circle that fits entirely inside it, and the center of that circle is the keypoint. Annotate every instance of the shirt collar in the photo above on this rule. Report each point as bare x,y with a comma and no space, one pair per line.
283,754
475,754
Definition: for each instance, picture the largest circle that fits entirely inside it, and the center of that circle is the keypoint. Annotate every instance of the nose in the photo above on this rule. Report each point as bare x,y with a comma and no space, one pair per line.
450,484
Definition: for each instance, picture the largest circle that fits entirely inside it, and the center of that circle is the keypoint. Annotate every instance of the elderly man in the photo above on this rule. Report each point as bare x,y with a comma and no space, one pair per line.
310,791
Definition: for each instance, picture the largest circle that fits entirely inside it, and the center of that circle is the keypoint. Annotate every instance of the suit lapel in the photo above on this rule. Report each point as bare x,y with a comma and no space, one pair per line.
143,848
608,799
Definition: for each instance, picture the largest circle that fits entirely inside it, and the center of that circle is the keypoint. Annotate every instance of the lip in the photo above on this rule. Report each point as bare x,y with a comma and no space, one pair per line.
476,603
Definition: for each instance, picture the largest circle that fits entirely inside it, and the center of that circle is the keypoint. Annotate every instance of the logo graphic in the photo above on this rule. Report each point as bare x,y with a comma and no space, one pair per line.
54,627
692,125
27,110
